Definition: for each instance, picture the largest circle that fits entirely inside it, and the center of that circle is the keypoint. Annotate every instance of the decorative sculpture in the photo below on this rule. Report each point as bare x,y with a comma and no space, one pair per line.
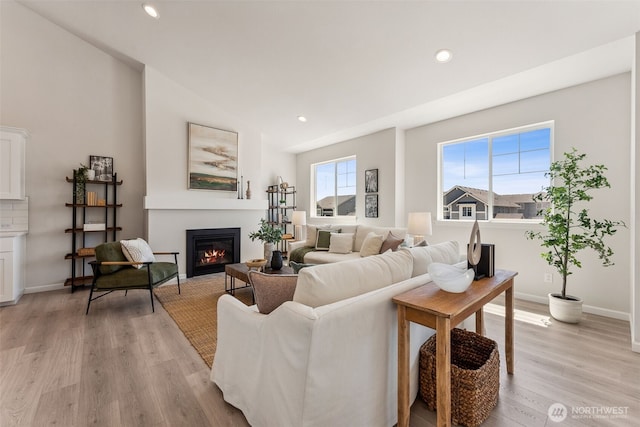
474,250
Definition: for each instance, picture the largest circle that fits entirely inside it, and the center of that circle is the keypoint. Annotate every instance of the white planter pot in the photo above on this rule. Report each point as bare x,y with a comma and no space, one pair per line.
565,310
268,252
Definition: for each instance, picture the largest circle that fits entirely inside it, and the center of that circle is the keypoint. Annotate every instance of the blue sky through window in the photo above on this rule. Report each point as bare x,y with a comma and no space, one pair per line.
519,162
332,177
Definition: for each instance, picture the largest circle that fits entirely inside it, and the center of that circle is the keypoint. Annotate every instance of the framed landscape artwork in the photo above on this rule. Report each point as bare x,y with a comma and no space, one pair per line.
213,158
371,206
103,167
371,181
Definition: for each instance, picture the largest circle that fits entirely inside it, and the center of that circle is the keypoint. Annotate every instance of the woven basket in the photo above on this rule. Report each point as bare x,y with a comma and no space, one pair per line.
475,376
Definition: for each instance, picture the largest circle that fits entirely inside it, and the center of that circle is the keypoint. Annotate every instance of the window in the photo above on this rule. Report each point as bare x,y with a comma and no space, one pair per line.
335,187
495,176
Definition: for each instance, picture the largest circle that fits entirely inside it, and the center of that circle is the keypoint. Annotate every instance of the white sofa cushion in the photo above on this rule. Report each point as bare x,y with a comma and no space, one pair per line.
445,252
328,283
341,243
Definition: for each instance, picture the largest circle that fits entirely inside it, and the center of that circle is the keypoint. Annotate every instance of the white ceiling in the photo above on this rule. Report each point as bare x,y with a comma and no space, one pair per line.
353,67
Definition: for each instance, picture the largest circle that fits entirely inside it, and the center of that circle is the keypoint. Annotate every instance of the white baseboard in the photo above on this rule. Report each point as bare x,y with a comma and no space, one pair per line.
605,312
44,288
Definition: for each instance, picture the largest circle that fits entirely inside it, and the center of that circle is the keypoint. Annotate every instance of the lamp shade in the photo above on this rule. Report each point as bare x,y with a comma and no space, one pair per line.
419,223
299,218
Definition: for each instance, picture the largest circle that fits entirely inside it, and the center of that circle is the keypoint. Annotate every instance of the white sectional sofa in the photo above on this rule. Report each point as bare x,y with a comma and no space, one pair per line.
359,233
329,357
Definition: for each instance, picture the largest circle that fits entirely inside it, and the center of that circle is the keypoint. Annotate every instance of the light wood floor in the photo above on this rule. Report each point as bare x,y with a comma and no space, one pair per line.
123,366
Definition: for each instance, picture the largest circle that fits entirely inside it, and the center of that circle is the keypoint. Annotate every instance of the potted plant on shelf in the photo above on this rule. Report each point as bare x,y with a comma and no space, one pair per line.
270,236
569,228
80,176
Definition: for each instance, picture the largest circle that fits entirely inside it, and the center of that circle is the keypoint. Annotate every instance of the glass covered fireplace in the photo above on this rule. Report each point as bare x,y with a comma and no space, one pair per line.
210,249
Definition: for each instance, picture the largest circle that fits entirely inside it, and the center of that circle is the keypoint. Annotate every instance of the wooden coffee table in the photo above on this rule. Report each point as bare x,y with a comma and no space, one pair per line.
240,271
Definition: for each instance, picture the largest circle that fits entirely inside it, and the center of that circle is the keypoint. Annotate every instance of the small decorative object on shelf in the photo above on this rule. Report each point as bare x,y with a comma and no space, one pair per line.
248,189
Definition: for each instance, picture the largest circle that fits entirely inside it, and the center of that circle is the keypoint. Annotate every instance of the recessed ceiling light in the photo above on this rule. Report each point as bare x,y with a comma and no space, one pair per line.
443,55
151,10
302,118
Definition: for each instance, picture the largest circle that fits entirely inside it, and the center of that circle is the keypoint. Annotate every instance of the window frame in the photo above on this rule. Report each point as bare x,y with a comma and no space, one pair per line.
549,124
314,198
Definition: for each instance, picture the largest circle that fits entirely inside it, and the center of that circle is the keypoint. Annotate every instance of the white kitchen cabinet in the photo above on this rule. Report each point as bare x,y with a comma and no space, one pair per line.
12,267
12,162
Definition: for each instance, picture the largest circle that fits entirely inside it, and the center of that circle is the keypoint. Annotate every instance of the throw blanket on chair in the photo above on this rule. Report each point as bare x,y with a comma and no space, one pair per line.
297,255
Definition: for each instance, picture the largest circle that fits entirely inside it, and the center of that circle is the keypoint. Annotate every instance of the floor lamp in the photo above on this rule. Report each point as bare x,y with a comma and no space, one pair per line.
419,226
299,219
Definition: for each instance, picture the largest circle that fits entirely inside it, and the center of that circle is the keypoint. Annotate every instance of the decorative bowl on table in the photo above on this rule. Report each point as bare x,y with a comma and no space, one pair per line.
451,278
257,263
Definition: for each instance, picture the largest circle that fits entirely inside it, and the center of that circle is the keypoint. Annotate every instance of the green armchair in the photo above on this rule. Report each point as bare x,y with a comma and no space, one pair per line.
112,271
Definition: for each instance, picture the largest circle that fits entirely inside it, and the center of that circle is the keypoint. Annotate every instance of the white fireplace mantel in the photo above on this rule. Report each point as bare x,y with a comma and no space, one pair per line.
196,201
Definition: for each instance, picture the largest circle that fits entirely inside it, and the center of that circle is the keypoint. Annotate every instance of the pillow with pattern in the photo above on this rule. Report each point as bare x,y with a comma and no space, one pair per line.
137,250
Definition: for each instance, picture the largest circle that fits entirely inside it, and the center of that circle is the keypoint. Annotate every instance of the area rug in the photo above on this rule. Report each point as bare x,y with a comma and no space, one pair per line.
195,310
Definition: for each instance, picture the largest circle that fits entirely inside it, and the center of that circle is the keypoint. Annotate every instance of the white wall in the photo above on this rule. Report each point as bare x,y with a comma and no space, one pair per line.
75,101
174,208
375,151
635,197
594,118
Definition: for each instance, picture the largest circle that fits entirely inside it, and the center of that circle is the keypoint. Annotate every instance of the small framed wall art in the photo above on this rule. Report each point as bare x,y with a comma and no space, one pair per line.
371,181
371,206
213,158
103,167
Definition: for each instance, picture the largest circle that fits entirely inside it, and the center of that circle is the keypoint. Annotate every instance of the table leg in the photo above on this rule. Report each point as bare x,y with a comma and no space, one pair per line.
226,289
508,327
443,371
403,368
479,322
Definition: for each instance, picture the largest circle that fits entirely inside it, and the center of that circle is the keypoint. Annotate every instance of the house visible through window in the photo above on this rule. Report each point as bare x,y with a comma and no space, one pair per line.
495,176
335,187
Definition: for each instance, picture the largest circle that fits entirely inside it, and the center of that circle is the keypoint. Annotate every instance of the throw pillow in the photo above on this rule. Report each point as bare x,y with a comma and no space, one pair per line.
137,250
323,239
391,242
341,243
297,266
271,290
371,245
312,231
111,251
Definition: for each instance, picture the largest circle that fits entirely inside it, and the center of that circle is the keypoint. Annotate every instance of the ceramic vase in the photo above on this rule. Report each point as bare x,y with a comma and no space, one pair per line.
268,250
276,260
248,189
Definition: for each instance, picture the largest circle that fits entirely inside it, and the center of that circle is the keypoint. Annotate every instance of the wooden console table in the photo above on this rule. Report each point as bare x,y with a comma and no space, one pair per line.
430,306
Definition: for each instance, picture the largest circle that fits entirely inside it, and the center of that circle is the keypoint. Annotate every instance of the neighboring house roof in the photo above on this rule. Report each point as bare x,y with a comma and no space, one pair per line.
509,201
329,201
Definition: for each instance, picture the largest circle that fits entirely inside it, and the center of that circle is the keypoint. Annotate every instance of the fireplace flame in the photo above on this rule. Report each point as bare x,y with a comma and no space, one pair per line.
212,256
